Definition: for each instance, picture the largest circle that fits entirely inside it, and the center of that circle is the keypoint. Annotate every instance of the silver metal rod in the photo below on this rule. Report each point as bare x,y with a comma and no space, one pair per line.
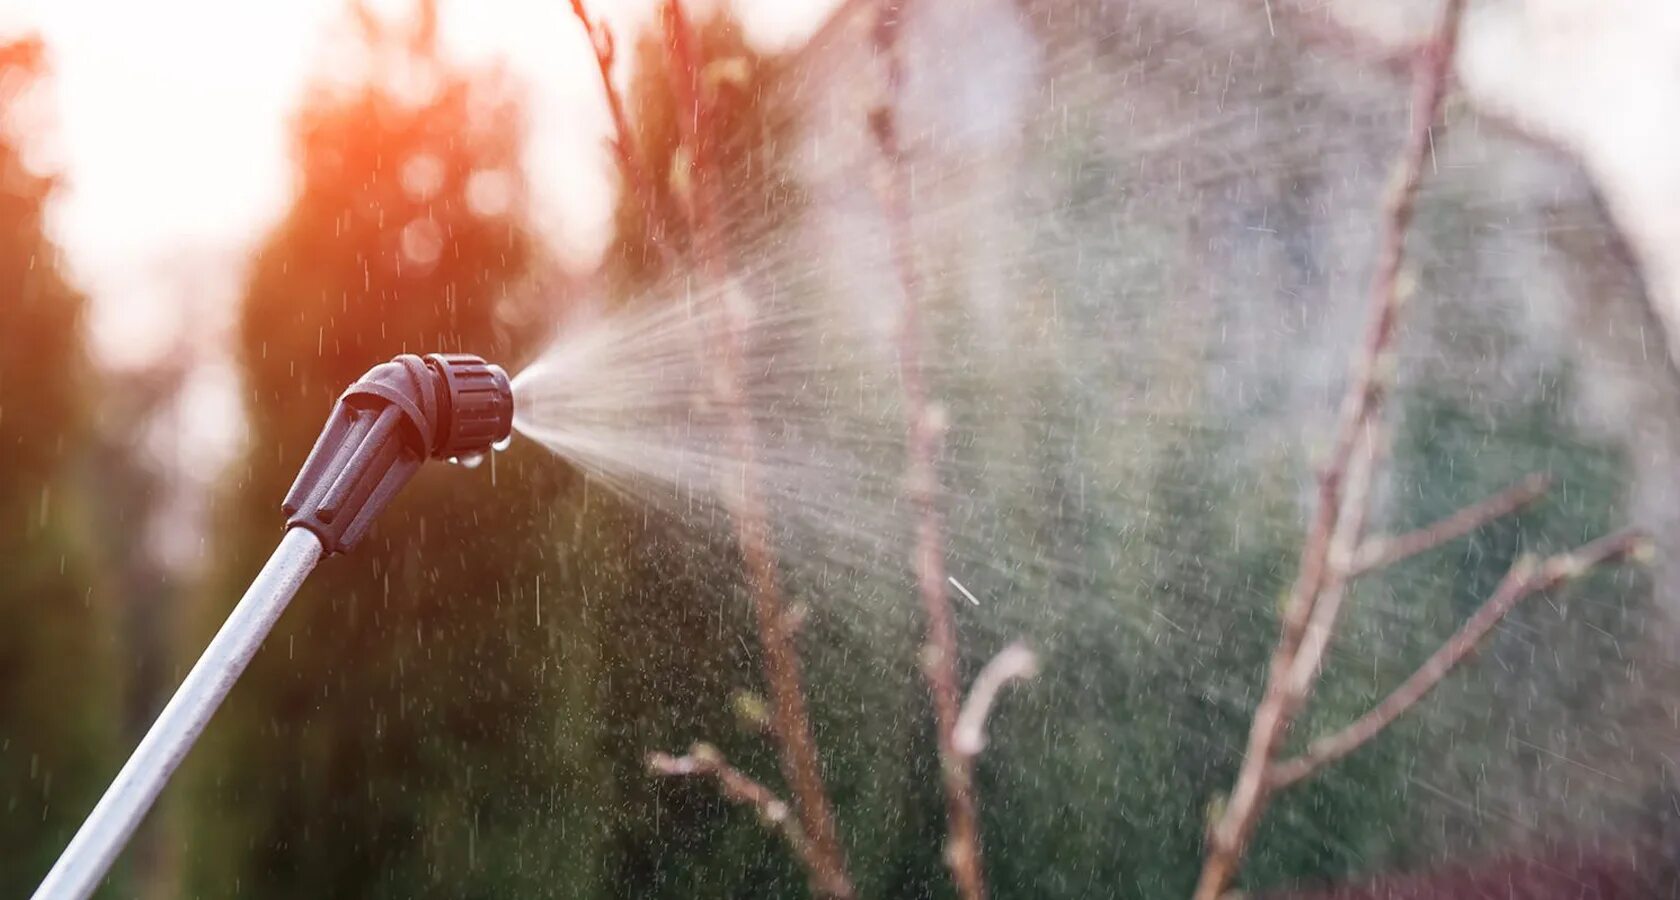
107,829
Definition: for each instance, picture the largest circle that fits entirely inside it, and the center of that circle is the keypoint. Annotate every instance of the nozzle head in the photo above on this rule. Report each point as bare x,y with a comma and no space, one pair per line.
478,407
381,430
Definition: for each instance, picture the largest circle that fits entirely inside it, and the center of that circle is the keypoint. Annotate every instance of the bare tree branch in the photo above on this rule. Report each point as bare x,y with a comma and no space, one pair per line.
924,425
1382,552
1336,552
623,142
704,760
790,721
1302,672
1015,662
1316,595
1525,579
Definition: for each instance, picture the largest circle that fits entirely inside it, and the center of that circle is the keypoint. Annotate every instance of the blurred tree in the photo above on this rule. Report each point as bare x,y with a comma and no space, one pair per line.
57,704
421,722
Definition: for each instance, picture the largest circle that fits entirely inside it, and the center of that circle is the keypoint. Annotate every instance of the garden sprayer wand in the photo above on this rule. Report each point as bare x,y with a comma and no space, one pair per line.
382,429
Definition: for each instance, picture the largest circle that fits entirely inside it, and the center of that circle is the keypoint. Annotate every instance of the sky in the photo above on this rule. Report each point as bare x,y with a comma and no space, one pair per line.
168,122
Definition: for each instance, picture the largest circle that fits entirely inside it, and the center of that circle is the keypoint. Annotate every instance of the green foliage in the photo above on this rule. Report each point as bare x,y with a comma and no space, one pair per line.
57,703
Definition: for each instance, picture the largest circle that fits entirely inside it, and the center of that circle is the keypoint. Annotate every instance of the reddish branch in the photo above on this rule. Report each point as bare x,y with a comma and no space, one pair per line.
824,859
1525,579
1382,552
924,426
623,141
704,760
694,128
1334,552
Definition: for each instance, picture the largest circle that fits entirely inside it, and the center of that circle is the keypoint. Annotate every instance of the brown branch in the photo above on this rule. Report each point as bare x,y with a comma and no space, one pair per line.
693,129
789,719
1302,672
924,425
623,142
1322,580
1525,579
1015,662
1382,552
704,760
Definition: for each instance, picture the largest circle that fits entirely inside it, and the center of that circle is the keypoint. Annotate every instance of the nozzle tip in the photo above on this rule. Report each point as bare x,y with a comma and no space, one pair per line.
477,411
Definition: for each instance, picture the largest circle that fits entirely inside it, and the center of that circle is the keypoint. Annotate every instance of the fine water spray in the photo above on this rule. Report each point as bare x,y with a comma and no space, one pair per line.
381,430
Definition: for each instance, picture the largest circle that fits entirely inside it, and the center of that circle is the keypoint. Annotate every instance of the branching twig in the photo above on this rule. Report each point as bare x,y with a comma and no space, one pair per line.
1336,528
1015,662
1336,552
705,760
824,859
1302,671
1382,552
624,138
924,425
623,141
1525,579
693,128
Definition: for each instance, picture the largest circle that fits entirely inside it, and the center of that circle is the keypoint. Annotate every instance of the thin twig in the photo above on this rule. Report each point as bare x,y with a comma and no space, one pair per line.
623,142
693,128
924,424
704,760
1302,672
825,860
1525,579
1321,580
1015,662
1382,552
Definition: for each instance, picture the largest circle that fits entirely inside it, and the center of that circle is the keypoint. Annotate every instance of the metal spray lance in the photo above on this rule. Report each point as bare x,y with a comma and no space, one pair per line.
381,430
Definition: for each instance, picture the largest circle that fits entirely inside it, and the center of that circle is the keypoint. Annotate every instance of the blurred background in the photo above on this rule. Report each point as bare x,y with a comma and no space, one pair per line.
1145,229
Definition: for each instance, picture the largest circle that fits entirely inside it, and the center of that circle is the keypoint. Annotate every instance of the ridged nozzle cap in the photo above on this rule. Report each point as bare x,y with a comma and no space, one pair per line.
478,404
